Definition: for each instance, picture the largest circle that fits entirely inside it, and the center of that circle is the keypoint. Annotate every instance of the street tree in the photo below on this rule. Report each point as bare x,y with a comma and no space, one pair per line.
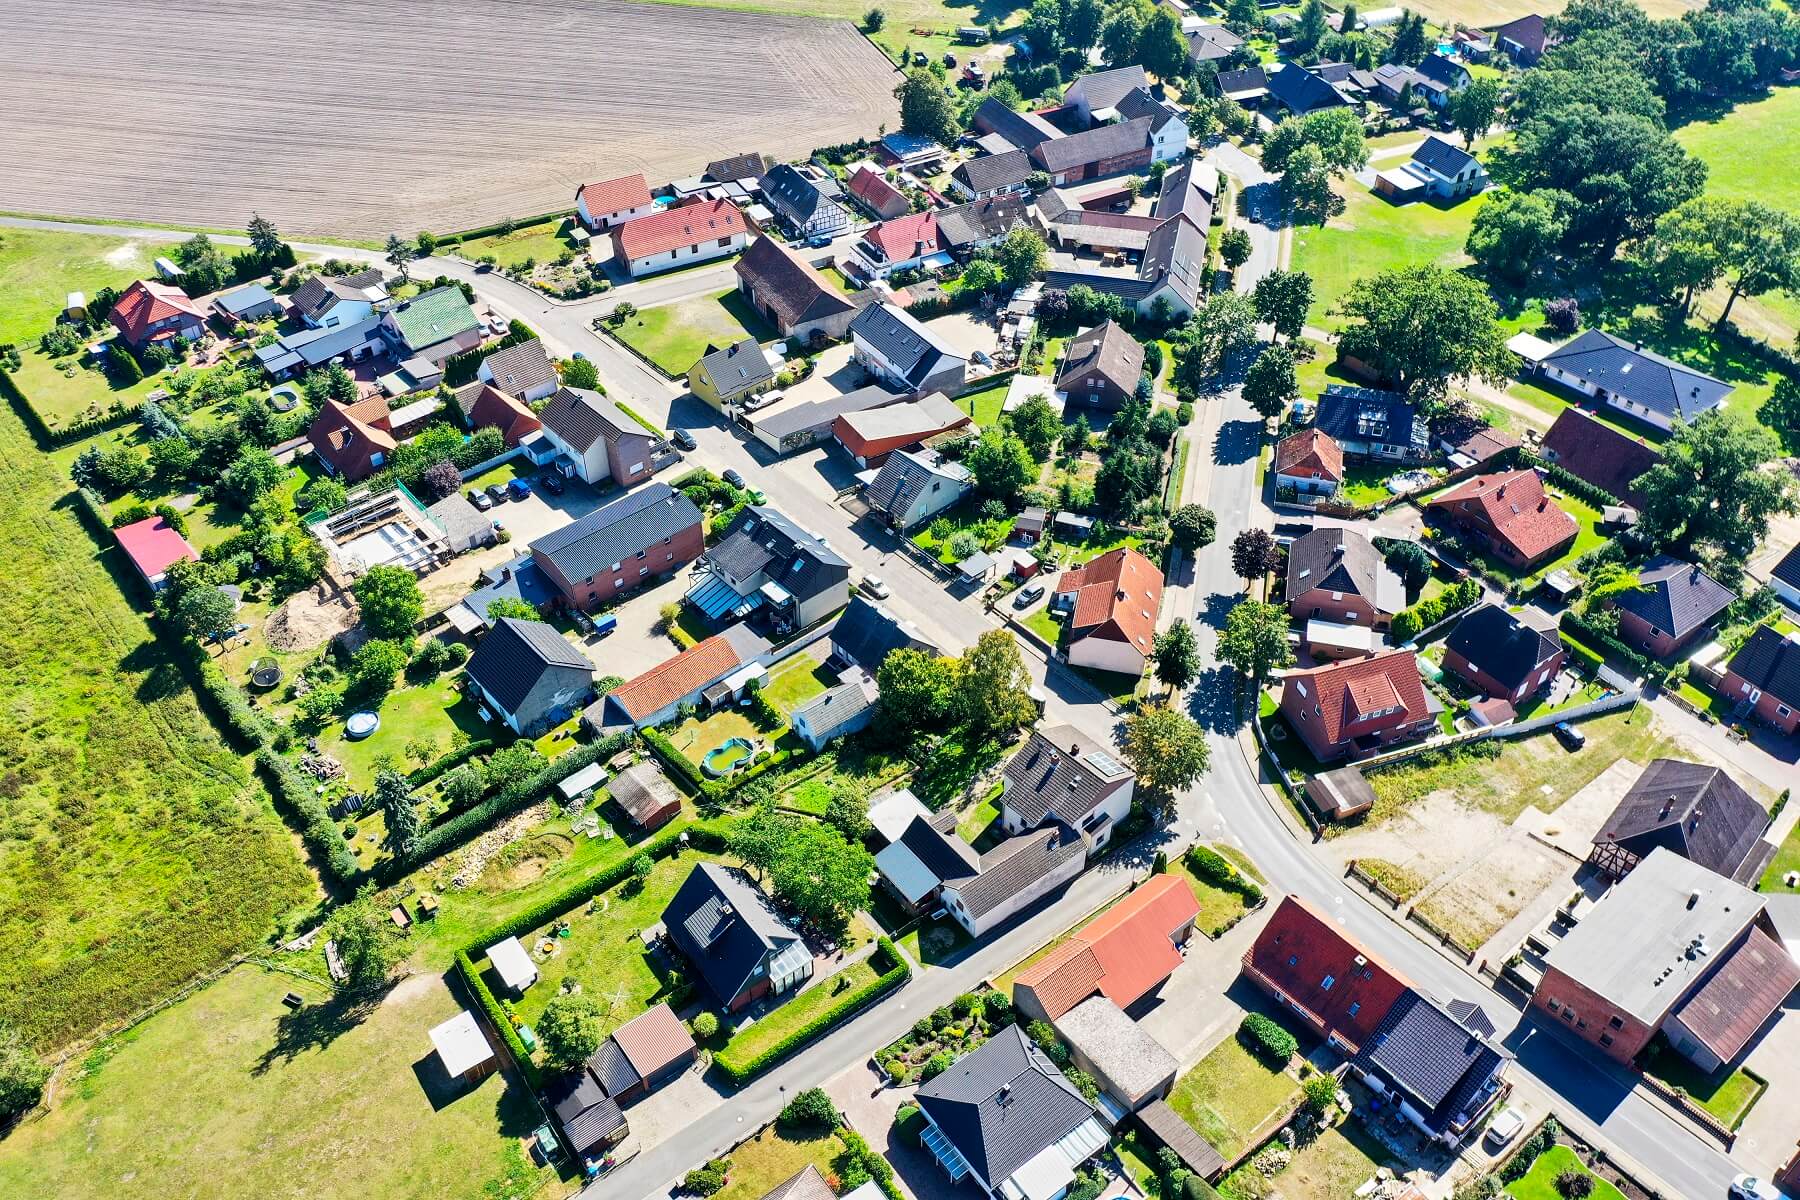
400,255
1193,526
1422,326
1167,751
1177,656
1713,486
1306,186
1234,248
1255,638
1269,385
1254,554
1282,299
264,238
390,600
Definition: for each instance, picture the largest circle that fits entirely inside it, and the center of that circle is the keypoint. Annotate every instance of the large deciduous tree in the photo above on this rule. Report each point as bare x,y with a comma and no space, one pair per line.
1713,486
1254,554
993,689
390,600
1514,231
1269,385
366,942
1193,526
1167,750
1255,639
1760,252
1683,255
1022,256
1001,463
1036,423
1422,326
1282,299
1177,656
571,1028
1474,109
926,108
916,688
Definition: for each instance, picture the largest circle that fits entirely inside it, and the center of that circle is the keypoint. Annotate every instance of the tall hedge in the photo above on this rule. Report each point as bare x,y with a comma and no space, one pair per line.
496,1015
294,792
740,1068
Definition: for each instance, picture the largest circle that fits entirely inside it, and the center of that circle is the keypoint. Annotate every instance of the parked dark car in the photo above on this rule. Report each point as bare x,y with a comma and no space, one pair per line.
684,439
1571,738
551,484
732,477
1028,595
497,492
481,500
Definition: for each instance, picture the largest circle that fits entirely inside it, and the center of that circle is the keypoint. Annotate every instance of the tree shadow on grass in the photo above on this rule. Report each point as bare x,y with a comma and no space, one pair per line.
161,677
313,1027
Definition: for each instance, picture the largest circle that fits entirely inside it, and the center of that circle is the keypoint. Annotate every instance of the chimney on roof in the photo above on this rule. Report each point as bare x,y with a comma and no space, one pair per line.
1694,898
1074,749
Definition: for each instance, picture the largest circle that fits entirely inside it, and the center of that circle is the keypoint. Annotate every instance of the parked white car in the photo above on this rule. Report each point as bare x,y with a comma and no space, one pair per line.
1749,1187
876,588
1505,1127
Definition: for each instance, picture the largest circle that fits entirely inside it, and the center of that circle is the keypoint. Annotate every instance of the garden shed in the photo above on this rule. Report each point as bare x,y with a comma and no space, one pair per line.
513,965
463,1049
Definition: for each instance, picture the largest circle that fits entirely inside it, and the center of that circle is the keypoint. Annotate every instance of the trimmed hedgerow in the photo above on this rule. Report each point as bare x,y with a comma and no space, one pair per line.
497,1016
1268,1039
455,758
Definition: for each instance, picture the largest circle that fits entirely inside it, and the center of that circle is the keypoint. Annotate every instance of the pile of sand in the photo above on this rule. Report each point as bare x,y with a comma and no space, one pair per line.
310,619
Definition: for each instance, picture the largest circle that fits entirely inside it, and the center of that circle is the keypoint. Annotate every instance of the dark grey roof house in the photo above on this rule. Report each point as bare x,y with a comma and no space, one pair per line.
1697,811
1673,602
803,203
1062,775
524,370
580,557
590,1119
1501,654
992,174
724,925
1247,86
1004,1110
1785,577
1369,423
1445,1073
1023,130
867,633
733,372
1301,91
1102,367
529,675
1345,563
893,345
1636,381
913,486
764,560
968,227
737,168
1438,155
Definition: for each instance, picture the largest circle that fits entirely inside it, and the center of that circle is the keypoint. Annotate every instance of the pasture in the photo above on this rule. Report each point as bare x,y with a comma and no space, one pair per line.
501,112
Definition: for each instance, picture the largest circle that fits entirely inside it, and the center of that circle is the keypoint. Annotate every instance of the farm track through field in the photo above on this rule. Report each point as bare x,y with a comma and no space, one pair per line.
337,118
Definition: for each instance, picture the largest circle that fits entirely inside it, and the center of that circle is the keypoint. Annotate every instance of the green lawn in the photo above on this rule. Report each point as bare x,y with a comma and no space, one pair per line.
936,536
229,1090
804,679
1728,1095
1366,483
1114,685
773,1156
603,953
1772,126
1218,907
38,269
975,822
137,851
1041,622
1371,235
1335,1164
1230,1095
1539,1183
1787,858
431,711
1552,403
674,336
790,1015
543,242
983,404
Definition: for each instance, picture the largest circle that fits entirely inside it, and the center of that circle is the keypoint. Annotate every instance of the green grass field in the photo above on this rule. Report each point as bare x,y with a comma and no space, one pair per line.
1727,1094
136,851
38,269
543,242
983,404
674,336
773,1156
1371,235
1787,858
229,1094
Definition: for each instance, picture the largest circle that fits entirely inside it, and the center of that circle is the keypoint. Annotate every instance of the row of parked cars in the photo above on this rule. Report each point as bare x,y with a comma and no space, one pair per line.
499,493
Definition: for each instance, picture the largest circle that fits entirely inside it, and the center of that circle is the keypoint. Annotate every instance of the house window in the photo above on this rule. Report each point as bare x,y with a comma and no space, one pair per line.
1355,1007
1554,1005
1327,982
1568,1014
640,554
643,571
615,566
618,583
1617,1023
1783,710
724,241
1606,1039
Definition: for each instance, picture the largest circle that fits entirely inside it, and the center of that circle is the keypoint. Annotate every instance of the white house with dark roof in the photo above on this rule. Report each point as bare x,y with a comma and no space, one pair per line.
1004,1117
992,175
844,709
1637,382
337,301
1062,776
765,561
802,203
892,345
1785,577
529,676
1436,169
913,486
1097,91
590,437
1168,128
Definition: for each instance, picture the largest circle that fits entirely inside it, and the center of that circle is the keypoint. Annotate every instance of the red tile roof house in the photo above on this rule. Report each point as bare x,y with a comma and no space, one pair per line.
613,202
731,658
1311,462
689,233
1674,603
897,245
1598,455
1338,989
1672,948
1124,954
352,441
150,312
153,546
1510,514
1112,604
1764,678
485,405
1354,709
878,195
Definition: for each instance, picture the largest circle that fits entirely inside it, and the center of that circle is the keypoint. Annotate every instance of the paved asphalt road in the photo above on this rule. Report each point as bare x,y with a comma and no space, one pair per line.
1228,804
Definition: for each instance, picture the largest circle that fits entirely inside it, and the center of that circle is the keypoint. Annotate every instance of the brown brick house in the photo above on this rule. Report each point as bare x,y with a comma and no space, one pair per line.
1337,575
1765,676
620,546
1509,513
1102,367
1674,602
1313,969
1353,709
1503,656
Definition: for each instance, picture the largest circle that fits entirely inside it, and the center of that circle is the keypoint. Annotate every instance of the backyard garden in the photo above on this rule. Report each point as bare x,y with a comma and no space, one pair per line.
674,336
1235,1095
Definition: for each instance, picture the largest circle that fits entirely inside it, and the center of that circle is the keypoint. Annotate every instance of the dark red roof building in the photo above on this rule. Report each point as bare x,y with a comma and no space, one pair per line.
1357,708
1338,989
1511,514
148,312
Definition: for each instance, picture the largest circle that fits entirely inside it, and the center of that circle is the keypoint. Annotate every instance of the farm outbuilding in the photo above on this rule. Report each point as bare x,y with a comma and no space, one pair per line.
512,963
463,1049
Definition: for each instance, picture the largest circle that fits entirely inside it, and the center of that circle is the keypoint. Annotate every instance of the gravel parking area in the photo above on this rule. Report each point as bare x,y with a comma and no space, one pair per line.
345,119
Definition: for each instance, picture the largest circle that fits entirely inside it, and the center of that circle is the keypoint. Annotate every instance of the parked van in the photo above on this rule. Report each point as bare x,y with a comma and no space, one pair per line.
604,624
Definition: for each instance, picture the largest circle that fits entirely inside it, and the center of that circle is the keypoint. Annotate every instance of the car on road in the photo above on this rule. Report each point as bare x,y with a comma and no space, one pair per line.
496,492
1028,595
875,587
481,500
551,484
1571,738
684,439
730,475
497,323
1749,1187
1505,1127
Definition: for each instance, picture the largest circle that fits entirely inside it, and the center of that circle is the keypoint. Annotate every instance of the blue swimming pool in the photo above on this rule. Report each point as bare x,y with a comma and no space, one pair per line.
726,757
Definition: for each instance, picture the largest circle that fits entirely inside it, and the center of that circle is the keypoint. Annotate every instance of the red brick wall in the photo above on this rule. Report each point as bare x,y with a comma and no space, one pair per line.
1634,631
1768,709
588,595
1592,1018
1493,687
1303,606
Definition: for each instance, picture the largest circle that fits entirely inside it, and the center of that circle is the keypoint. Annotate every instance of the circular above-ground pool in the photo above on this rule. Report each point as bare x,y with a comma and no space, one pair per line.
726,758
362,724
284,397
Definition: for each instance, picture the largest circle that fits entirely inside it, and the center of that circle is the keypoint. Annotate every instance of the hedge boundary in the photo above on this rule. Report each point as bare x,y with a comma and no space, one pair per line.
708,791
1581,630
741,1072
